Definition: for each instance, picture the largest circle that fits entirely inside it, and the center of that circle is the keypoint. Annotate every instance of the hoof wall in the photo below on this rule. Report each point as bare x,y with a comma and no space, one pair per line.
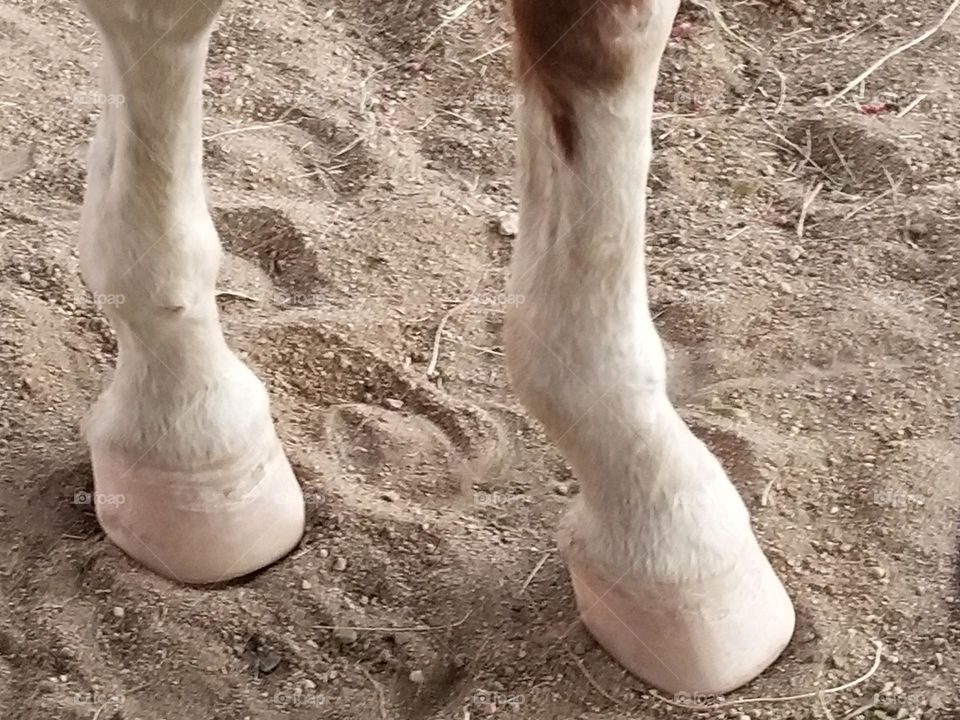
705,637
206,525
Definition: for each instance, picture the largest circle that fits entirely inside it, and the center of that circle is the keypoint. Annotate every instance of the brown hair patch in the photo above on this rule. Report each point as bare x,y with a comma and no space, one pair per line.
563,46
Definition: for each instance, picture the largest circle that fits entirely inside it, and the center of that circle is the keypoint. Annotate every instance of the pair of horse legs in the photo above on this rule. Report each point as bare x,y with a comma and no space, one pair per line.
667,573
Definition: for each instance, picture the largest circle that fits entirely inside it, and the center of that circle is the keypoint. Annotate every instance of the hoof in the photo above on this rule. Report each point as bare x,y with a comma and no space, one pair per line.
202,525
707,636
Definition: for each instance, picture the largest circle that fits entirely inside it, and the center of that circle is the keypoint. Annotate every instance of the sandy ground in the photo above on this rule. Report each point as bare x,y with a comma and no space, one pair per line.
359,156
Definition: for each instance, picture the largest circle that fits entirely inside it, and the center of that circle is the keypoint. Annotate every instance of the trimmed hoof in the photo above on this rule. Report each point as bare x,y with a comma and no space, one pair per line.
707,636
202,525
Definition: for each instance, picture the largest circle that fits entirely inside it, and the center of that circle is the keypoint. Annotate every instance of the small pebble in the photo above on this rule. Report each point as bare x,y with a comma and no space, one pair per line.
393,403
417,676
508,224
306,585
268,662
118,612
346,636
340,564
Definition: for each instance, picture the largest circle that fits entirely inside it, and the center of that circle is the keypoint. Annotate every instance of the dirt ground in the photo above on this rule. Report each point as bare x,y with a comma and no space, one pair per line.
804,269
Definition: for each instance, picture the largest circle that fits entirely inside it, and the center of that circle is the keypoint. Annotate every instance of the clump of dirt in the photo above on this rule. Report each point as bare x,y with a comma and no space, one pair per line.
855,156
268,238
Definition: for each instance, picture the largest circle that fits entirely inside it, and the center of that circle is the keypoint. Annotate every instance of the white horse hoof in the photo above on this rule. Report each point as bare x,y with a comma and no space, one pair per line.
707,636
205,524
